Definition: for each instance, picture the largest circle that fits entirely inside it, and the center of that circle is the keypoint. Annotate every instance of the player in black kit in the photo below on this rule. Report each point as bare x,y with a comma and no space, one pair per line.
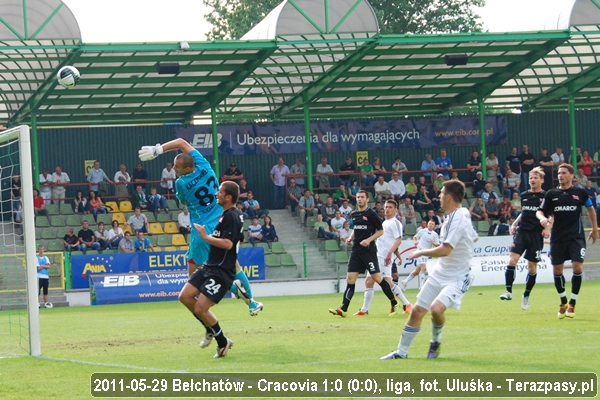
529,238
367,228
568,238
215,277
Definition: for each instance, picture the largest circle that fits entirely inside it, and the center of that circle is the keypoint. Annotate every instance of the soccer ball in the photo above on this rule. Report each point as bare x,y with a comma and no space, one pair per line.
68,77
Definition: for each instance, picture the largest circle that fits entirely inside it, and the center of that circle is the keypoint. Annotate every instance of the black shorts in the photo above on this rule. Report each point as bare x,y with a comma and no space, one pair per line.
43,283
530,243
361,261
573,249
214,283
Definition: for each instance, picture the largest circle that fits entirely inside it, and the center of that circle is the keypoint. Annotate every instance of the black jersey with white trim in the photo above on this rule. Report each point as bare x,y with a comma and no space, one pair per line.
230,227
530,204
366,223
565,205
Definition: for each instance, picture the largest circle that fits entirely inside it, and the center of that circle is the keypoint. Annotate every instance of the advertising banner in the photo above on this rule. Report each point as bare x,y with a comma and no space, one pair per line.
136,288
251,261
345,136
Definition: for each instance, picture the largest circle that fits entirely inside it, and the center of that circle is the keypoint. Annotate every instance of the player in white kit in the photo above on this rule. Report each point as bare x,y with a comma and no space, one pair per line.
451,277
424,239
387,246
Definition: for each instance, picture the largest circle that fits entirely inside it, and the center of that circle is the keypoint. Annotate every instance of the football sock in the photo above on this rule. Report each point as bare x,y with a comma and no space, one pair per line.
218,334
409,278
509,277
369,293
559,284
573,299
398,292
385,286
348,293
436,332
244,279
575,287
422,279
408,335
530,283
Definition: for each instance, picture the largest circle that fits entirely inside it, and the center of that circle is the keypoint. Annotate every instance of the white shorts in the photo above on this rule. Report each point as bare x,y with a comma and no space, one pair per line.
422,260
449,292
386,270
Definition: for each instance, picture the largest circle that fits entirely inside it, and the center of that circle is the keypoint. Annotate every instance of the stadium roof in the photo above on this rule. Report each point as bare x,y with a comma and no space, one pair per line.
337,72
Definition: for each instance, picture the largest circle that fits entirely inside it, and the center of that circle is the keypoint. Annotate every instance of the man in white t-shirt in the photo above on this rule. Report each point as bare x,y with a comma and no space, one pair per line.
382,189
387,246
167,179
46,183
451,277
337,223
424,239
397,187
346,209
58,191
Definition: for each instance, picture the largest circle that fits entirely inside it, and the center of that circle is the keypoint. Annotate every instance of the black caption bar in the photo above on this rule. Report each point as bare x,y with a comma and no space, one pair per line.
283,385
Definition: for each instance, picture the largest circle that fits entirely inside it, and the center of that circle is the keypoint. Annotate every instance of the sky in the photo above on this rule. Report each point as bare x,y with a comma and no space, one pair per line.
110,21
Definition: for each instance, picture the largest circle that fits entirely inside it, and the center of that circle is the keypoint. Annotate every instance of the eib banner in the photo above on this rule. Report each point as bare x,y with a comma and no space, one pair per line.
136,288
345,136
251,260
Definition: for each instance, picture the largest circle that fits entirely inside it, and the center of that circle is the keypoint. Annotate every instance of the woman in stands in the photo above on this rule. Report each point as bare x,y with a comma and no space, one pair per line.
80,202
268,231
377,167
96,205
115,234
38,203
352,190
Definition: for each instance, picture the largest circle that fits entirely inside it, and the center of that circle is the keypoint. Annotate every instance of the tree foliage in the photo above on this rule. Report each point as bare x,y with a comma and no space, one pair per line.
231,19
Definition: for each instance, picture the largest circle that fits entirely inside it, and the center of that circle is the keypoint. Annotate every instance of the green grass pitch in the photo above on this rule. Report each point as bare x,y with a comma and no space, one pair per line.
298,334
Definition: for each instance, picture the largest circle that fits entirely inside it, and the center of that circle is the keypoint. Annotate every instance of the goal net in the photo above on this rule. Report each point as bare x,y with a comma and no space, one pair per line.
19,315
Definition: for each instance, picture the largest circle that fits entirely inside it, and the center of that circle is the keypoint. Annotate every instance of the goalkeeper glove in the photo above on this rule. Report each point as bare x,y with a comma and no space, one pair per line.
148,153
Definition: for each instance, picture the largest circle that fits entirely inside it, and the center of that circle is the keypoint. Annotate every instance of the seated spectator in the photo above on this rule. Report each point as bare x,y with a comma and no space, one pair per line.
581,178
328,209
80,203
139,198
439,181
17,207
306,206
492,208
252,207
340,195
435,197
377,168
232,174
352,190
70,241
240,207
423,202
422,226
407,212
38,204
138,221
294,194
382,189
511,183
157,201
318,202
478,212
183,219
86,237
337,223
366,172
397,187
432,217
378,206
598,206
243,191
489,193
323,172
322,229
96,205
399,167
576,183
345,233
503,228
346,171
143,243
412,189
255,232
115,234
478,184
505,208
515,205
591,191
102,237
492,167
126,244
381,214
454,176
269,234
346,209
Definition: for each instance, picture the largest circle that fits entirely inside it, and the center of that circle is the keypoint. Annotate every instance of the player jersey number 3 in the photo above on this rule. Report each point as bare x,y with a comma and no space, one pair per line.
202,194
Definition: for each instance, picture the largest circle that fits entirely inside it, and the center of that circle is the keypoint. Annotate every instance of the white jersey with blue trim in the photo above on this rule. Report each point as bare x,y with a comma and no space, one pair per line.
392,230
457,231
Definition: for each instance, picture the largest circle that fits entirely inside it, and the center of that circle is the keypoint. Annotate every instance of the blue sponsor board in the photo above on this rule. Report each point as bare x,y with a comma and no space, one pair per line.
136,287
345,136
252,261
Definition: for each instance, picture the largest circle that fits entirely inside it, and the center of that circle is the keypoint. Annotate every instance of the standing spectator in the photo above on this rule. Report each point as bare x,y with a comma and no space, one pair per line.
577,157
399,167
126,245
70,241
43,265
397,187
232,173
38,204
96,176
546,163
167,180
81,203
366,173
406,211
505,208
306,206
115,234
294,193
46,183
255,232
346,209
268,231
121,179
58,190
382,189
298,171
140,176
323,172
96,205
277,175
244,189
102,237
444,164
428,167
337,223
558,158
378,169
139,198
156,202
346,170
477,210
412,189
513,162
473,166
138,221
340,195
492,208
423,201
322,229
352,190
527,160
86,238
586,163
184,222
252,207
478,184
492,167
512,182
142,243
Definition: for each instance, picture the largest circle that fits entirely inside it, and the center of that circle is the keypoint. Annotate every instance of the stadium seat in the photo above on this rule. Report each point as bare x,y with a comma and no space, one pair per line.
106,219
73,220
277,248
410,230
418,217
164,240
185,248
89,218
156,229
39,243
287,260
61,231
157,249
163,217
66,209
323,197
57,220
52,209
127,229
48,233
171,227
246,246
172,204
465,203
120,217
91,252
170,248
150,216
41,221
174,216
310,222
54,270
129,215
125,206
247,223
483,226
55,245
271,260
341,257
178,240
264,246
331,245
114,206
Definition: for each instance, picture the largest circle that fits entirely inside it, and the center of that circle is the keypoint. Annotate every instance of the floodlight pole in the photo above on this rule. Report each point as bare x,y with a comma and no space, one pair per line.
215,140
572,136
35,151
307,144
483,151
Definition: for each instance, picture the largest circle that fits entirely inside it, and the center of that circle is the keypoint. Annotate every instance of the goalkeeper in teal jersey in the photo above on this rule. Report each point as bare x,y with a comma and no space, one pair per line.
197,186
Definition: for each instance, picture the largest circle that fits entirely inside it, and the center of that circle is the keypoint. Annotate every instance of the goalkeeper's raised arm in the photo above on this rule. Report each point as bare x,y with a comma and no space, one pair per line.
148,153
